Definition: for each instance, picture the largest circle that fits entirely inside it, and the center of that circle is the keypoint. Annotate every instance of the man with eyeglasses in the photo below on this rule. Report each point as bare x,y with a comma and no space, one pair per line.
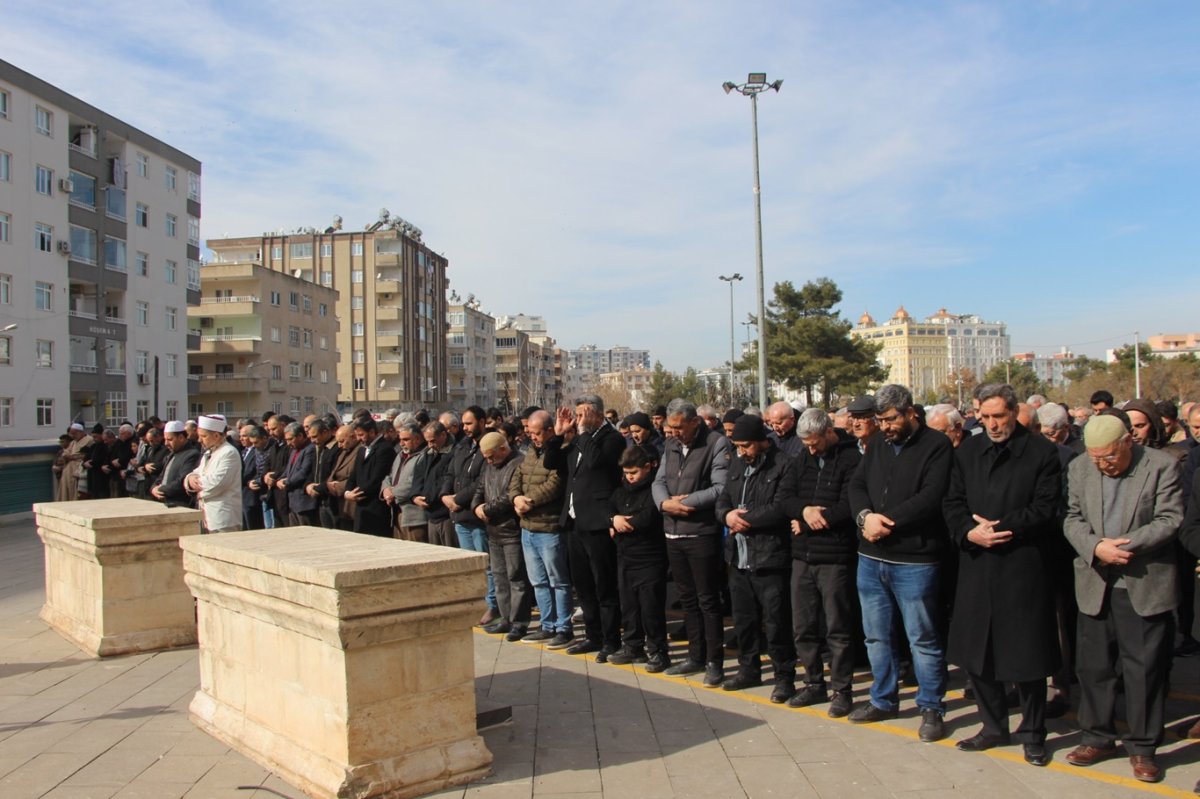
896,496
1124,508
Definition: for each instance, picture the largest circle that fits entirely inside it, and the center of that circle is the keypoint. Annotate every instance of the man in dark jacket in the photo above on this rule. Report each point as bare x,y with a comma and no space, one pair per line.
589,448
824,550
689,480
280,454
302,508
758,550
183,460
1002,511
896,496
371,464
322,434
492,505
428,476
458,487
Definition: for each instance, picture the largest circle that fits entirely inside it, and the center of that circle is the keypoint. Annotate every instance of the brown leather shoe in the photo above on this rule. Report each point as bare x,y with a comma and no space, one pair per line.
1145,768
1193,731
1084,755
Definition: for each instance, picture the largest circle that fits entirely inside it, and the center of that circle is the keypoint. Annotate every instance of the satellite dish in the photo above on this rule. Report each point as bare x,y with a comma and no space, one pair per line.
296,273
383,383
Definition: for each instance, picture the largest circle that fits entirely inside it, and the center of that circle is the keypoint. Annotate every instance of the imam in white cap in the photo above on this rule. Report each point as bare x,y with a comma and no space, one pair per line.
174,427
77,426
213,422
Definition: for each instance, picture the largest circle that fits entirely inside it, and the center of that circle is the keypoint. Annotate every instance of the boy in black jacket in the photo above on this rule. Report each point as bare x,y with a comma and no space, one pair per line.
637,529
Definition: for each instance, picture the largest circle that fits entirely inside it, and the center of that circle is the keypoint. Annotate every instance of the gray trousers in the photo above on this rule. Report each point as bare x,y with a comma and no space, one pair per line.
514,595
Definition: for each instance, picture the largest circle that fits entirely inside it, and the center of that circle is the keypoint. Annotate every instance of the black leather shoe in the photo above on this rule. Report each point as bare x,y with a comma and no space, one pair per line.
932,727
498,627
741,680
517,632
657,663
981,742
626,655
1036,754
868,713
839,705
583,647
714,673
783,691
685,667
604,654
810,695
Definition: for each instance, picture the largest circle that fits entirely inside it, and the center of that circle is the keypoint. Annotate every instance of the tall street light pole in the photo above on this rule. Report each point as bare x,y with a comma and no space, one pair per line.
756,84
736,276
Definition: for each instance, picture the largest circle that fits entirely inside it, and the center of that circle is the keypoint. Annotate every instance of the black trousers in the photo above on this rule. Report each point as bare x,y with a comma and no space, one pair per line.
823,596
760,600
252,517
328,517
644,604
304,518
514,595
593,559
992,702
699,571
1143,647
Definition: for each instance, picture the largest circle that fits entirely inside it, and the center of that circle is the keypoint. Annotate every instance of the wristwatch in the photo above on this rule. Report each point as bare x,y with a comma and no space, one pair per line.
861,519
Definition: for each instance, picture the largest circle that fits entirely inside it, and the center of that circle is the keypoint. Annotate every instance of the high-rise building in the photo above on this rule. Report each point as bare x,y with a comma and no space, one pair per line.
545,365
1048,368
471,355
268,342
391,304
915,353
99,261
972,343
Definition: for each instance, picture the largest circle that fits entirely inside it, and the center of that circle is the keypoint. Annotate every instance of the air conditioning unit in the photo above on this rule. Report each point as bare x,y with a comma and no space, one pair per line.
143,379
64,247
206,321
65,184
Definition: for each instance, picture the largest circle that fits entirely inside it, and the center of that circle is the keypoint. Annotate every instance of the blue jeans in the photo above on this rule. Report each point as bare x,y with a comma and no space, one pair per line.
474,539
549,573
912,590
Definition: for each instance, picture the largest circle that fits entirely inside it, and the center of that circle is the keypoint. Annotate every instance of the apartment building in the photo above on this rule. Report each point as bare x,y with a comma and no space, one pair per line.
972,342
916,354
391,304
268,341
99,262
471,355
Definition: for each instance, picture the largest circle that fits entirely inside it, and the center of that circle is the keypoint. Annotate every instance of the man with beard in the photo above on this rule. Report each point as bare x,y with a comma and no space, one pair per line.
430,472
410,520
256,444
1001,510
182,461
371,464
302,508
456,493
896,496
217,480
280,453
337,511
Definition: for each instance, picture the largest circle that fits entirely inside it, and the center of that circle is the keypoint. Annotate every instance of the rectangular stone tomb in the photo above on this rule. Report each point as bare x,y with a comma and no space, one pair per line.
114,574
342,662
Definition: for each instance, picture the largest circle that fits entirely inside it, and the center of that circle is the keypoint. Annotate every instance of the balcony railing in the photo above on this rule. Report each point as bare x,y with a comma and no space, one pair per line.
84,368
231,338
219,300
82,314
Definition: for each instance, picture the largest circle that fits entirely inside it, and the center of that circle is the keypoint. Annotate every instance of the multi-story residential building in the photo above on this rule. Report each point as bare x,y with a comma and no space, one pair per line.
391,304
268,341
515,388
590,358
545,380
916,354
99,261
1174,345
471,355
972,343
1049,368
634,384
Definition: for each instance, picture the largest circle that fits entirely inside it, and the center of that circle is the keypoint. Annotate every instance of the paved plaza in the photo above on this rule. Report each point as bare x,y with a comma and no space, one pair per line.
71,726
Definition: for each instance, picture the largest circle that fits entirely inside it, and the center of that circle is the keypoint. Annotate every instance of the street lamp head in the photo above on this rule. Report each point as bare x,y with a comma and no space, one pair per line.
728,86
756,79
13,326
776,85
737,275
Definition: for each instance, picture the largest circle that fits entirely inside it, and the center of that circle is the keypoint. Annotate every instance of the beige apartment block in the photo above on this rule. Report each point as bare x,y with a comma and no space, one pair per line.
114,574
268,341
471,355
342,662
916,354
391,304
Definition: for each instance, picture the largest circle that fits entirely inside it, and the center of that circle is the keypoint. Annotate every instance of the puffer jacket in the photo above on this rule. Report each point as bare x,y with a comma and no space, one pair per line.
764,494
829,488
544,487
491,491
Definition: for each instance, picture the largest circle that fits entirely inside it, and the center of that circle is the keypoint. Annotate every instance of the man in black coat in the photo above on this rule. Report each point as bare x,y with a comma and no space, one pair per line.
256,458
183,460
302,507
371,514
590,449
824,550
1001,511
457,490
758,549
322,433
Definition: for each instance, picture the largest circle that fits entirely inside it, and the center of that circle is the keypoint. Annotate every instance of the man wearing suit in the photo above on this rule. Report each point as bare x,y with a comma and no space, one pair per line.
302,508
184,457
256,446
1124,508
322,435
590,448
1002,514
371,514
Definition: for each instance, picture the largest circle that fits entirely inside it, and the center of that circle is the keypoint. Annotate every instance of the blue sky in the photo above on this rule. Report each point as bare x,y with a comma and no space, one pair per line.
1030,162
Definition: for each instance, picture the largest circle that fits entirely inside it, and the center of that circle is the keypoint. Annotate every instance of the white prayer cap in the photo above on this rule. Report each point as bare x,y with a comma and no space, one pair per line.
174,427
77,426
213,422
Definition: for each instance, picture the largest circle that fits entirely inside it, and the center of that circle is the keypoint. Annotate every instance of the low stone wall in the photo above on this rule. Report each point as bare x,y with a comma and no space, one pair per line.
114,574
343,662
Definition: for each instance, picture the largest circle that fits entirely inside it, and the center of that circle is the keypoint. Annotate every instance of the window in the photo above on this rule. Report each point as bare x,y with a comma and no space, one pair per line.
458,361
276,297
308,372
45,412
43,237
3,104
303,250
114,254
308,339
327,278
324,343
169,178
5,226
43,121
6,406
193,186
306,303
114,202
44,354
356,329
43,296
43,179
193,230
326,250
172,409
172,364
356,303
294,371
172,270
360,356
143,165
360,384
276,253
324,375
116,407
5,350
83,244
5,289
294,300
276,372
275,334
171,222
322,309
356,276
83,190
293,336
5,167
172,317
356,248
141,362
143,264
141,314
193,274
141,215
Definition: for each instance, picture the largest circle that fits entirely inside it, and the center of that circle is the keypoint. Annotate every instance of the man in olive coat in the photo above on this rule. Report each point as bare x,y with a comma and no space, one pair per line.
1001,512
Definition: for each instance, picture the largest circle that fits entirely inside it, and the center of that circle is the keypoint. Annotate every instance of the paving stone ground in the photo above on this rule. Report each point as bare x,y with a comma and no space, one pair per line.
72,726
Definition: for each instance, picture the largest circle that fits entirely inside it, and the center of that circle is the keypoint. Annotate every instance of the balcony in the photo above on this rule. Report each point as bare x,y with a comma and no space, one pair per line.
83,368
229,344
227,383
388,313
384,340
390,367
229,306
386,285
